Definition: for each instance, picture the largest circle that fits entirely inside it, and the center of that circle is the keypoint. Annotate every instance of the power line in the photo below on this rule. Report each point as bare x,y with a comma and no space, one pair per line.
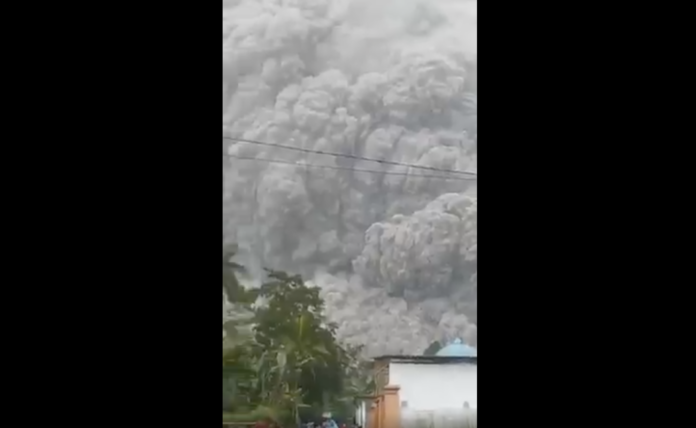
320,152
351,169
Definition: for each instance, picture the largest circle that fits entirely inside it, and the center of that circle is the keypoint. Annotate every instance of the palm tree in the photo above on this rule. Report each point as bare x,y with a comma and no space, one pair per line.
230,283
236,293
237,337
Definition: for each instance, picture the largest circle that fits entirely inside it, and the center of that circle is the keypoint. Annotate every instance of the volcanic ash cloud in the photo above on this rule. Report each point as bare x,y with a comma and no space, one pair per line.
392,80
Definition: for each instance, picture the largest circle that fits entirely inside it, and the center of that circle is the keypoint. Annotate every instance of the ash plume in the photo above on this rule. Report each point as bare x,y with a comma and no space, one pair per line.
394,254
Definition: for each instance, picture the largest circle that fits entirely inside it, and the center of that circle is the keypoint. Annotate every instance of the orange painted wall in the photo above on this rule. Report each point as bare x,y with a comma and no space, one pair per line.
385,411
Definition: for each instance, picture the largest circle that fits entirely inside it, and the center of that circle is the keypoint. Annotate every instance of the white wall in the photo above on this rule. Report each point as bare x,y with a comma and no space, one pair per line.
450,418
435,386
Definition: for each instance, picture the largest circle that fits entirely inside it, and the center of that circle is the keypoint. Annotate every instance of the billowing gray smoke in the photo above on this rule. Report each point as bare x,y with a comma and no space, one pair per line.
394,252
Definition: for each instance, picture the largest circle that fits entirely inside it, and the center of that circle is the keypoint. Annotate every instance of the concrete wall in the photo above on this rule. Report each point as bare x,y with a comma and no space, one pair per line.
435,386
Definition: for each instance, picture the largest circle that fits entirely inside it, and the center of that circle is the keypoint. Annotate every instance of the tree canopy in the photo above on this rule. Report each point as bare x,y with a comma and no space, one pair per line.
291,364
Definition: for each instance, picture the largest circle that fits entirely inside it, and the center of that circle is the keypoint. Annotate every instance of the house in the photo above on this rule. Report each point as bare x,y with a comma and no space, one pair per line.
443,382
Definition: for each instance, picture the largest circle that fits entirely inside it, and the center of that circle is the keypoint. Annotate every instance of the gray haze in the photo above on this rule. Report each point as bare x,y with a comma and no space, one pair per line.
395,255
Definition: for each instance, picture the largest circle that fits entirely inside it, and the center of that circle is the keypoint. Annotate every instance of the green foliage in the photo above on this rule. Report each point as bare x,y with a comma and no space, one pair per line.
293,310
290,361
259,413
235,292
302,353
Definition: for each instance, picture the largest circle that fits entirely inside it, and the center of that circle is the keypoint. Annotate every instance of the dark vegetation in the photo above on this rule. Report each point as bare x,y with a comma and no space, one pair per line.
280,357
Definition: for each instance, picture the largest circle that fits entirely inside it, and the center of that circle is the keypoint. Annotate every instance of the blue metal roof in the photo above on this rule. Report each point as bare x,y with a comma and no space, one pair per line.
457,349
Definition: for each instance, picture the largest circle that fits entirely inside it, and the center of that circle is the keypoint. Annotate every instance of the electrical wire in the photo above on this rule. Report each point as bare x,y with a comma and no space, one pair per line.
320,152
351,169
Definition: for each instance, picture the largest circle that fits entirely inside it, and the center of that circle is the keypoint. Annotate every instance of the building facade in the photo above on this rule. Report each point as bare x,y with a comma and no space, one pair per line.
445,382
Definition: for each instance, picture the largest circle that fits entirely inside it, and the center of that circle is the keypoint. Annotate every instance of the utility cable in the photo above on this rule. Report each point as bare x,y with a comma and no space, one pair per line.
320,152
351,169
